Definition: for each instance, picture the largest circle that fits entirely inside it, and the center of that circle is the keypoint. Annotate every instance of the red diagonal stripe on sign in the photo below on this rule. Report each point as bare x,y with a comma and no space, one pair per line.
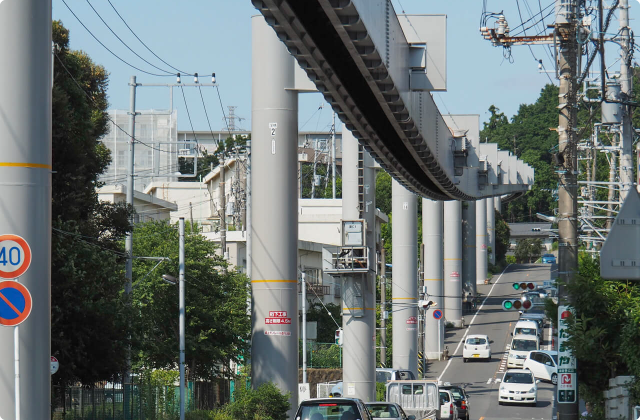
10,304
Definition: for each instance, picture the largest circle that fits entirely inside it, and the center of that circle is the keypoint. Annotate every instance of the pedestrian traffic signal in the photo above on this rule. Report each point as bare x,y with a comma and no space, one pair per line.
511,304
338,337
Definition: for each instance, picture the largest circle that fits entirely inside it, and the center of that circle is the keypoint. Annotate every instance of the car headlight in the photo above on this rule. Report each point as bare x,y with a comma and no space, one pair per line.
512,356
532,390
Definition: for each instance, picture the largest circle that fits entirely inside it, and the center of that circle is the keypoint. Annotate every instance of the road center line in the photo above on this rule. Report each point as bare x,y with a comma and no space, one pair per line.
471,323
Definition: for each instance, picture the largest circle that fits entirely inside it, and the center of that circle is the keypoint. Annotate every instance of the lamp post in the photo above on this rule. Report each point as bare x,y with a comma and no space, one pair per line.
180,282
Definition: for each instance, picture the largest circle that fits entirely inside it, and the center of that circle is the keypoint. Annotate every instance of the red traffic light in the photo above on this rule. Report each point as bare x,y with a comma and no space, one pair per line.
531,286
526,304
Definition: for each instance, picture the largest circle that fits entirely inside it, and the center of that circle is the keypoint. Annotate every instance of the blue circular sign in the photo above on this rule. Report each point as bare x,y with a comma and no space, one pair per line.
437,314
15,303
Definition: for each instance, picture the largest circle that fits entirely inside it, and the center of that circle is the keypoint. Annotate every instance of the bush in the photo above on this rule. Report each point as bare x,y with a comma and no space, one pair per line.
511,259
219,414
381,391
265,403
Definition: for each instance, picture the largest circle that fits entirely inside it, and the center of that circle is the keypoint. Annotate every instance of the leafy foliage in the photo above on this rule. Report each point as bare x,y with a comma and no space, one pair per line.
326,326
88,312
503,237
605,334
217,323
528,250
264,403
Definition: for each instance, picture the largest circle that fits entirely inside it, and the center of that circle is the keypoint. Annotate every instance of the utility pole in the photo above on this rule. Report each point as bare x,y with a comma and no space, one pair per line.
128,245
626,138
248,210
181,292
565,32
333,155
315,163
383,306
304,326
223,210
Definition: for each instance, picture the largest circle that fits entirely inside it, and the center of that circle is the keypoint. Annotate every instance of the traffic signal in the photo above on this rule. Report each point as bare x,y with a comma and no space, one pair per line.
338,337
511,304
523,286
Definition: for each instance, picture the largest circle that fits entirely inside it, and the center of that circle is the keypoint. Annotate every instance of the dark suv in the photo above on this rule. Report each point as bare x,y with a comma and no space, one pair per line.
461,399
333,409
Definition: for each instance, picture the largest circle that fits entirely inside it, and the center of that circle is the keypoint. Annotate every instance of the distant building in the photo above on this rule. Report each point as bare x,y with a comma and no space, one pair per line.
538,230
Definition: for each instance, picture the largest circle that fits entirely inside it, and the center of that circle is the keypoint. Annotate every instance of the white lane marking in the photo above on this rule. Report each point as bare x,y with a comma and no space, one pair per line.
489,381
471,323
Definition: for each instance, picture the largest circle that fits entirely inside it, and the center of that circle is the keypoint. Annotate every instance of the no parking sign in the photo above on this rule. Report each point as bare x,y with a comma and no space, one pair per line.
15,303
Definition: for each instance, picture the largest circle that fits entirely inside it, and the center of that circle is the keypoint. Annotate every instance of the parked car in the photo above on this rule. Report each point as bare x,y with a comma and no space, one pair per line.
520,347
387,410
448,409
548,259
476,346
518,386
461,400
543,364
383,375
332,408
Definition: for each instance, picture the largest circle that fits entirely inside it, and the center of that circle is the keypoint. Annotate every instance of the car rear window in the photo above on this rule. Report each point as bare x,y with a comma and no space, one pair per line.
474,341
524,345
328,411
383,410
383,376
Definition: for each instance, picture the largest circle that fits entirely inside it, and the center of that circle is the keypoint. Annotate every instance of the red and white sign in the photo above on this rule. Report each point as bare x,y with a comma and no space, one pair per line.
412,320
277,314
15,256
454,274
566,381
284,333
54,365
483,246
273,321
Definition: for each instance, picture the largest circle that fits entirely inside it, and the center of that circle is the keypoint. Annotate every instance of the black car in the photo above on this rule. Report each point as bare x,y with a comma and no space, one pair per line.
333,409
461,399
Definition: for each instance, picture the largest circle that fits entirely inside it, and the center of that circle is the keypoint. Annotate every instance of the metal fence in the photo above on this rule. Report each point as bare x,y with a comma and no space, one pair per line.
138,401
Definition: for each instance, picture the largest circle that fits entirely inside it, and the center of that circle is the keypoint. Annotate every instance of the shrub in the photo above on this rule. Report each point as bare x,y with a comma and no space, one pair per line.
265,403
511,259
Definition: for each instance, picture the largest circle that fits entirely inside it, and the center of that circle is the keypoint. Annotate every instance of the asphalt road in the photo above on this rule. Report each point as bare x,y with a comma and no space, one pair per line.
482,378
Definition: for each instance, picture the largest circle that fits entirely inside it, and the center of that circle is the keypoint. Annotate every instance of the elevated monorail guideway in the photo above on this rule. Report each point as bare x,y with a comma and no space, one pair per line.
377,70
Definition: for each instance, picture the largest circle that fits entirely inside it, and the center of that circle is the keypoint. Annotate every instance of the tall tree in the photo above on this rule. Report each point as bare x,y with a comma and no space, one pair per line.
88,312
217,323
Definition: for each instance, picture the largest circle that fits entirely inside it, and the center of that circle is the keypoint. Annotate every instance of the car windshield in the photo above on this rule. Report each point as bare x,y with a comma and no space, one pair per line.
329,411
548,255
526,331
383,410
383,376
518,378
475,341
523,345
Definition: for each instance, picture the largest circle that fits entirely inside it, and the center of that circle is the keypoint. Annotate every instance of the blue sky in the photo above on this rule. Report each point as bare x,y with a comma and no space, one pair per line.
208,36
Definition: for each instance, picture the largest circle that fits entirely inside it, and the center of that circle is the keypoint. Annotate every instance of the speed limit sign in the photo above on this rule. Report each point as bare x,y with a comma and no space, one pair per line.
15,256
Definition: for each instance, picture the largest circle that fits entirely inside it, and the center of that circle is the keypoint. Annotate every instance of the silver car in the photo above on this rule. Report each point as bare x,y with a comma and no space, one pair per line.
387,410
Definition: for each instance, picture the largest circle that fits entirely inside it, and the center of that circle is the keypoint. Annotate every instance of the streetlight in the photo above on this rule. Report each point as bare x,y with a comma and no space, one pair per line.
180,282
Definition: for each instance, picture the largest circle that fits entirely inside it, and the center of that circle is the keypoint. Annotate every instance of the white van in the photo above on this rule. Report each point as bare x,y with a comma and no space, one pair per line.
527,328
520,347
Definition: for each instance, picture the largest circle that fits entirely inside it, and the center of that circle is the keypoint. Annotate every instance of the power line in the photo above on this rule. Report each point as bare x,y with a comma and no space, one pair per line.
124,43
107,48
223,113
188,114
206,114
145,45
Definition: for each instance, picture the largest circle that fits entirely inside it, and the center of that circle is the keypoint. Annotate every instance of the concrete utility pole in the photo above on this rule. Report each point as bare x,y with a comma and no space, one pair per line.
565,28
626,138
453,262
491,228
303,284
223,208
432,232
274,279
248,210
383,307
25,200
333,155
404,289
183,313
358,296
128,244
481,241
469,248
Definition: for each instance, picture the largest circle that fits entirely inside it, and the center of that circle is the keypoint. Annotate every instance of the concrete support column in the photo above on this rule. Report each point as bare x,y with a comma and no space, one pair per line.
481,241
497,204
491,229
469,248
432,230
453,262
25,202
274,127
358,299
405,285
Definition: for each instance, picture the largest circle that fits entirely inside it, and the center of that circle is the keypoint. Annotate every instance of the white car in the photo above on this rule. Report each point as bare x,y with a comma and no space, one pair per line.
476,346
518,386
448,408
521,345
543,364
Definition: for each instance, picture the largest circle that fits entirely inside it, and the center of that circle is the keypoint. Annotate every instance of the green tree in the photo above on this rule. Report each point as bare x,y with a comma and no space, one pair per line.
528,250
503,237
383,192
217,324
88,312
266,402
326,326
